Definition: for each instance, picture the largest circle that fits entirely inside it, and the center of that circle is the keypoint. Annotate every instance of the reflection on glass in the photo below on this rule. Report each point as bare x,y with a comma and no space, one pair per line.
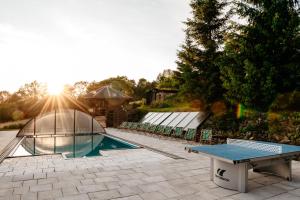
44,146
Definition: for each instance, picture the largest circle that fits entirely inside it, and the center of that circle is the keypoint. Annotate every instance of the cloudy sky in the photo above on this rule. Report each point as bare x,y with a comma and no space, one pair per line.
62,41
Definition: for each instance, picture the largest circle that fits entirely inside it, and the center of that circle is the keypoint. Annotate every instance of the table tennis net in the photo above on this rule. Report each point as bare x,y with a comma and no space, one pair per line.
255,145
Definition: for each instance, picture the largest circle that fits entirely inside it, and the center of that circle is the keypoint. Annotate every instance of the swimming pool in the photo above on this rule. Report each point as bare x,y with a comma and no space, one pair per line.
70,146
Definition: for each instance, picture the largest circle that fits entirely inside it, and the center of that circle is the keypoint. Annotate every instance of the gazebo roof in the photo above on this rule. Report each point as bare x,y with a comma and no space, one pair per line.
107,92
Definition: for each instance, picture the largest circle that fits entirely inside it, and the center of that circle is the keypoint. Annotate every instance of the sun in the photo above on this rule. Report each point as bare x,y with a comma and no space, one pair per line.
54,89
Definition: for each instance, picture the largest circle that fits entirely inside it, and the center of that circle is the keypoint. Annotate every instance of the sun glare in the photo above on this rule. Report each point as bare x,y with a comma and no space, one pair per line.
54,89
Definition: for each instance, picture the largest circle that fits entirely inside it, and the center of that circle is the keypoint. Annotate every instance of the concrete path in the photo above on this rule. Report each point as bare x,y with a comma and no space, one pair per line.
6,137
135,174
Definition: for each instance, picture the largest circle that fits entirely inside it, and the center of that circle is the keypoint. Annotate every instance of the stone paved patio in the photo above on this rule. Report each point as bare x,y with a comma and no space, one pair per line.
137,174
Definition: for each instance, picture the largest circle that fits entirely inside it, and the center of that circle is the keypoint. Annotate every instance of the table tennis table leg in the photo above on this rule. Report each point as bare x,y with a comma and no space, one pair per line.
211,169
243,177
281,168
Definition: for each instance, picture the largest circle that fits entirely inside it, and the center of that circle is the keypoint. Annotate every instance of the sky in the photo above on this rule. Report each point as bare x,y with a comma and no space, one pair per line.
63,41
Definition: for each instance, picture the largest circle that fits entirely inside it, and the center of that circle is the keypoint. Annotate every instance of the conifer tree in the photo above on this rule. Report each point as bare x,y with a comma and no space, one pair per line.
262,58
198,57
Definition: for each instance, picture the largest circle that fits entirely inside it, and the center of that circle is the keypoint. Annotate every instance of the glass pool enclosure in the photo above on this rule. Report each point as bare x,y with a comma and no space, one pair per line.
70,132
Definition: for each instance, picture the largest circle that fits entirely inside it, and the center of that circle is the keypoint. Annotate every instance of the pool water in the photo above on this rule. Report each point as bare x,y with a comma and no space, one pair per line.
69,146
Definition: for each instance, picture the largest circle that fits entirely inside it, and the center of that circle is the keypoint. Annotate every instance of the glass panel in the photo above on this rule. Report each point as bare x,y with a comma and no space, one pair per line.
195,123
28,129
64,145
65,122
44,124
178,119
162,118
155,118
83,123
146,116
83,145
97,127
44,146
28,145
187,119
150,118
170,118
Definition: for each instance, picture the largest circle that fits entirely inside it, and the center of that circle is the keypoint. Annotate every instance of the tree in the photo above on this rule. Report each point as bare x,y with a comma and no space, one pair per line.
167,80
33,90
198,58
121,83
142,88
261,58
4,96
188,74
80,88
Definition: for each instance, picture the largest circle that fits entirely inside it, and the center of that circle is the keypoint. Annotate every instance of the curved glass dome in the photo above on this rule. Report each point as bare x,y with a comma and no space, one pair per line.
61,123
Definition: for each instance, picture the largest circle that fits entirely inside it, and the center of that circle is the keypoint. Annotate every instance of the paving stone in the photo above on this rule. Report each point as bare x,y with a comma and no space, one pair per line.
30,182
295,192
129,191
184,189
29,196
23,177
257,194
62,184
47,181
153,196
105,179
154,179
49,194
6,192
39,188
69,190
152,187
89,176
112,185
39,175
137,175
91,188
111,194
135,197
11,197
285,196
268,180
221,192
133,182
87,182
170,193
284,187
6,185
75,197
21,190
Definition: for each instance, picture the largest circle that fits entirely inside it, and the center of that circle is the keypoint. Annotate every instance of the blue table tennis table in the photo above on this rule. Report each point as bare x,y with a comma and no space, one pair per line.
230,162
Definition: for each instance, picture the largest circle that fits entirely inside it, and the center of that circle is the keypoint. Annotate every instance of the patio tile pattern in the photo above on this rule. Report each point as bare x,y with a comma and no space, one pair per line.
136,174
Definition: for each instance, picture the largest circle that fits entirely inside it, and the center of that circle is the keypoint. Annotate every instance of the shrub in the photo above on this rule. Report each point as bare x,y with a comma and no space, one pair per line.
18,115
12,126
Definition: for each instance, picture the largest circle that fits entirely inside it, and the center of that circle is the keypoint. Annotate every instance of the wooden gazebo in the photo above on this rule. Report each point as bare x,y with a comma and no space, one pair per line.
107,106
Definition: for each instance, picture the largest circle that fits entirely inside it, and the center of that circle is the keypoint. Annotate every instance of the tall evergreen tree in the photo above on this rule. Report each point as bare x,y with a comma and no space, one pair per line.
262,58
197,59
